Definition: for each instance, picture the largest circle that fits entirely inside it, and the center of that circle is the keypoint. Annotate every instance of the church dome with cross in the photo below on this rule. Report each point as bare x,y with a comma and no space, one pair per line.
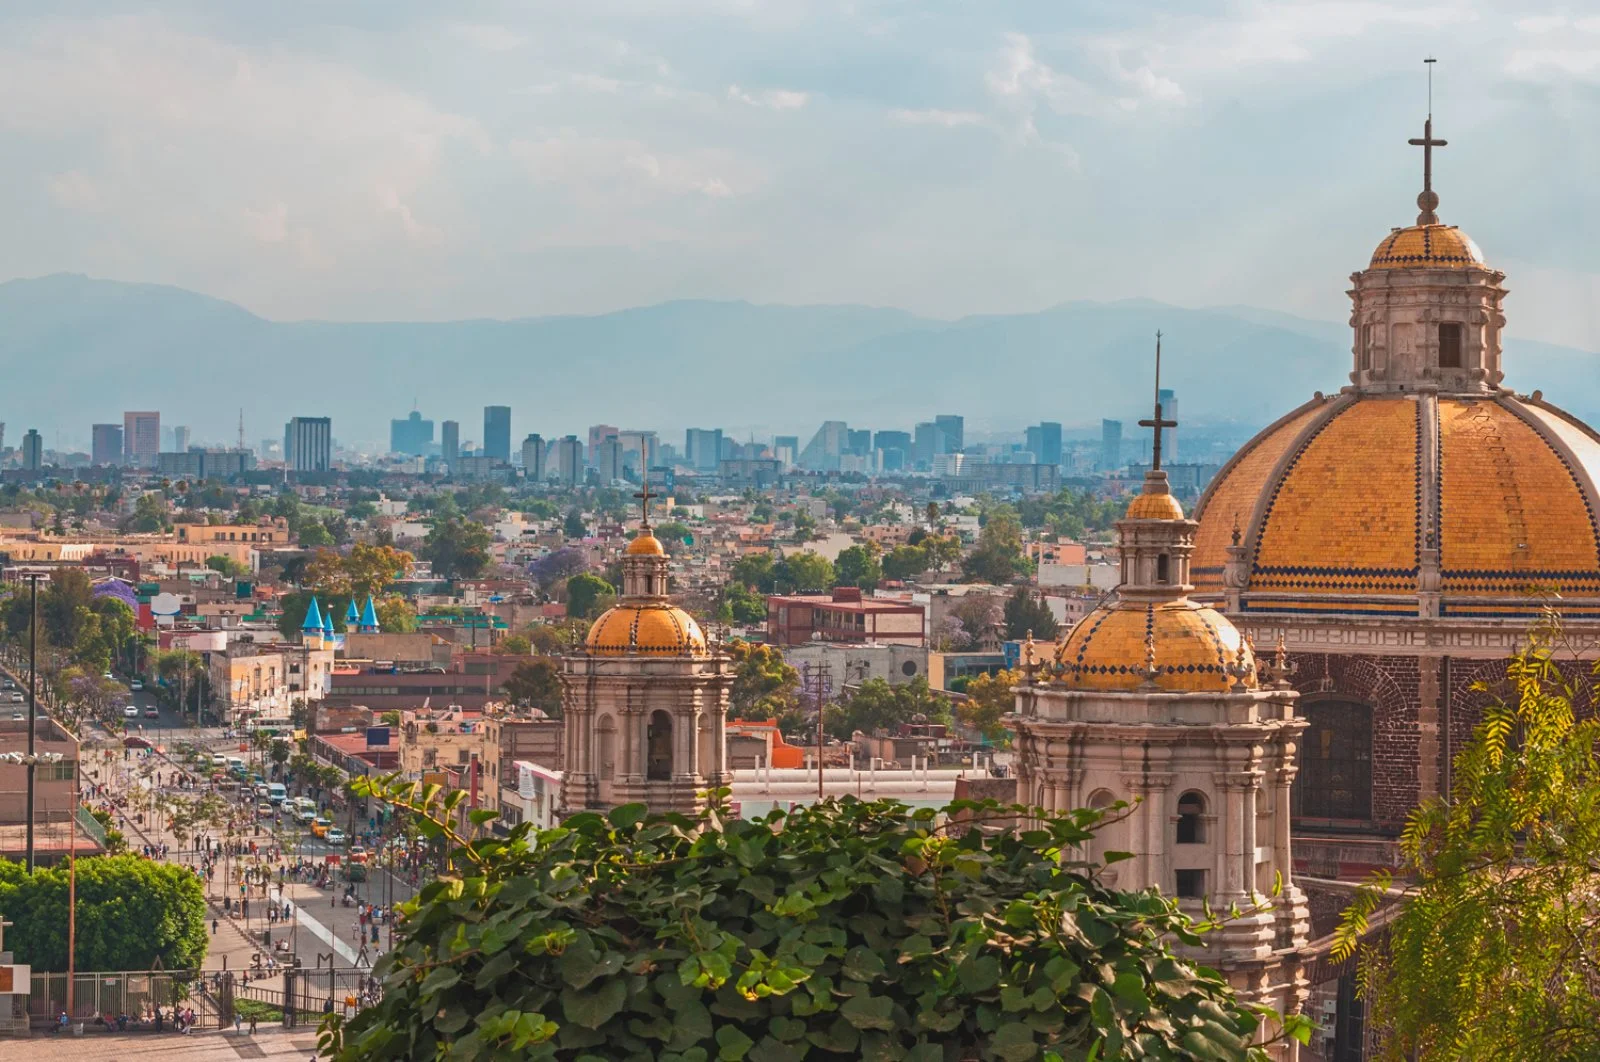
1424,488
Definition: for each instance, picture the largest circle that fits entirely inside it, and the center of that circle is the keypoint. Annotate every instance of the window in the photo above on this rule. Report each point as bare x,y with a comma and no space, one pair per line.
658,766
909,668
1191,828
1449,346
1163,568
1191,884
1335,780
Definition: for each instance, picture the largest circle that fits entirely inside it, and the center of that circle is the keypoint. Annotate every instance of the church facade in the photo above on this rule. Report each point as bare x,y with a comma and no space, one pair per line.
1400,536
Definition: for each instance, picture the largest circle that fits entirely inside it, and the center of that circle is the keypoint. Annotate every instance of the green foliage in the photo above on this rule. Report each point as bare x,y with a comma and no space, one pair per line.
855,931
573,526
313,533
740,604
149,514
536,683
765,686
905,562
1025,612
457,548
130,911
876,706
1496,950
227,566
588,595
998,557
989,699
859,566
804,573
1070,512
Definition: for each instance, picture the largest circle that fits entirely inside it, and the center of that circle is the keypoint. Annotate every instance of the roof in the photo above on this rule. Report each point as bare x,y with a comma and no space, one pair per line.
1181,646
1427,247
646,627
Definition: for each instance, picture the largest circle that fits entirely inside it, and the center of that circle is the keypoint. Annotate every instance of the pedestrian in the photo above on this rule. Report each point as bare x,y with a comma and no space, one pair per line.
213,927
252,1023
238,1021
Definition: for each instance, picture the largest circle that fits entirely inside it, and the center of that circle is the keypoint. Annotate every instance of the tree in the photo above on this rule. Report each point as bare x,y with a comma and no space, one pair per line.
1024,612
847,929
989,698
516,645
149,514
765,686
557,565
876,706
395,615
1495,952
758,571
313,534
904,562
227,567
326,573
998,556
740,604
536,683
573,526
978,614
457,548
587,594
804,573
131,911
859,566
370,569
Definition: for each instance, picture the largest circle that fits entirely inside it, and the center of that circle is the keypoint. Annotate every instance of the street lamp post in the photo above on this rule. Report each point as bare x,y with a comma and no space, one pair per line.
33,705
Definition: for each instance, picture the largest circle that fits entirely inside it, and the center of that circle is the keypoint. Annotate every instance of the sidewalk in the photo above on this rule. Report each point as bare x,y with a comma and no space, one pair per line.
268,1042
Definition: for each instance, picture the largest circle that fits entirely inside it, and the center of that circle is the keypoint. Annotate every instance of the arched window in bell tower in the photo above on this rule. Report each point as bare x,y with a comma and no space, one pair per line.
658,762
1163,568
1191,825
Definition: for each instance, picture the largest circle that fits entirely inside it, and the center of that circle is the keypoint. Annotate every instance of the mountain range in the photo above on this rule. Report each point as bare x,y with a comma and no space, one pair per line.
76,350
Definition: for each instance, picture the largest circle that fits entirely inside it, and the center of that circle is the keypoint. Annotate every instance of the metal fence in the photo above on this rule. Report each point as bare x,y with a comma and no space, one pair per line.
308,994
134,993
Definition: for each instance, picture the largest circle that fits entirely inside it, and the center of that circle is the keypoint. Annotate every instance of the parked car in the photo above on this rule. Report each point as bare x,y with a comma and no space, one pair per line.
264,809
17,698
130,712
136,685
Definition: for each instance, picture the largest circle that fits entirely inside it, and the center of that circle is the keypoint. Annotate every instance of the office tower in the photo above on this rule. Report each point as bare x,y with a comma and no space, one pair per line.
640,449
2,436
105,447
33,450
412,435
891,440
786,448
309,441
1044,442
608,460
822,452
1169,436
954,429
450,441
1111,445
927,443
599,433
497,433
702,448
532,457
858,442
141,438
569,460
180,438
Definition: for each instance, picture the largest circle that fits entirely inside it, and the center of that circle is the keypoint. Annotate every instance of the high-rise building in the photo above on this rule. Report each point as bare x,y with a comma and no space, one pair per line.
599,433
532,457
141,438
180,438
569,460
33,450
309,441
786,448
639,449
105,446
927,443
497,433
702,448
891,440
859,442
954,429
1044,442
450,441
822,452
413,435
1169,437
608,460
1110,445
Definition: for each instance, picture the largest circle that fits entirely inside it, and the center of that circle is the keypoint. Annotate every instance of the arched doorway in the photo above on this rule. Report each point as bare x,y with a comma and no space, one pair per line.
1335,779
658,759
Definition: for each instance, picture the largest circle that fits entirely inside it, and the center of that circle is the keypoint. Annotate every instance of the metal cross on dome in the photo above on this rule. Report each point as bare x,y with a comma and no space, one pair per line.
644,495
1428,200
1157,423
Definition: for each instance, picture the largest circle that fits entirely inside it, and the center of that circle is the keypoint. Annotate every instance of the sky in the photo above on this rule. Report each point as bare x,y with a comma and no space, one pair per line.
402,160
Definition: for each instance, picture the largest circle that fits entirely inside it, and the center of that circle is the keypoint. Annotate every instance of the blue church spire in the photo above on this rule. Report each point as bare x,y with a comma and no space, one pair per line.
369,617
313,623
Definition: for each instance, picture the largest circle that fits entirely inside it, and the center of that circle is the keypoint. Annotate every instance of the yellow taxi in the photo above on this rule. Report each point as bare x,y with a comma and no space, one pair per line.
321,825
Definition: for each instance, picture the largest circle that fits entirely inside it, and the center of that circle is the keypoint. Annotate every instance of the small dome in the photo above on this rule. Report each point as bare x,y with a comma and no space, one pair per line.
1155,507
1195,649
654,628
646,544
1427,247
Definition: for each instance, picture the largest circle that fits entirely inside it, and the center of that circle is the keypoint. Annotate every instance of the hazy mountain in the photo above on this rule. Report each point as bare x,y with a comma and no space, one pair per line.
74,351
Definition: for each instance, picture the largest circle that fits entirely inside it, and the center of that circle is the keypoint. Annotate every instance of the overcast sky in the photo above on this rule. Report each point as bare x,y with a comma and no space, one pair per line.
395,159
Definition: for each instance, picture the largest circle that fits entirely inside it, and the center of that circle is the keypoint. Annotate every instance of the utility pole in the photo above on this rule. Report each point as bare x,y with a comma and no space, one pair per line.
33,707
816,680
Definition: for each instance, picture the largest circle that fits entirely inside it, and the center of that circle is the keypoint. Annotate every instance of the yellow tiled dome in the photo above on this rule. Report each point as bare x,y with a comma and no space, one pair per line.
646,544
1155,507
1336,511
652,627
1426,247
1195,649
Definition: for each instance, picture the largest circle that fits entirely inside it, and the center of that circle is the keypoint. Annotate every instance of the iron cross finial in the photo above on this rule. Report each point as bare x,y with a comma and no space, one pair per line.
1157,422
644,494
1428,201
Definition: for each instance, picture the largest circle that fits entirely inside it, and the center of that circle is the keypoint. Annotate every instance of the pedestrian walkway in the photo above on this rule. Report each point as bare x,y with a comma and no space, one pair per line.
267,1042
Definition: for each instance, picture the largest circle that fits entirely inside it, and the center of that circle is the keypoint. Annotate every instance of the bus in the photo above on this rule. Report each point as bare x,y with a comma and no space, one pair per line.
276,793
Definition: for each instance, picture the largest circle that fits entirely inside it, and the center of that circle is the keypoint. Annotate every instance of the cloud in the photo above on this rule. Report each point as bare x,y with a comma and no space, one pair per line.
947,119
75,190
1568,51
773,100
489,38
628,172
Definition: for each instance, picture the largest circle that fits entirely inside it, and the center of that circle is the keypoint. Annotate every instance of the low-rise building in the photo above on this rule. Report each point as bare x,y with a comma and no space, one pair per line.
842,616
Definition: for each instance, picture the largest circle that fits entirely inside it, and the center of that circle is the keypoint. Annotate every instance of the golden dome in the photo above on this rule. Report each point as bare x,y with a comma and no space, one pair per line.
1337,512
1427,247
651,627
1192,647
1154,507
646,544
